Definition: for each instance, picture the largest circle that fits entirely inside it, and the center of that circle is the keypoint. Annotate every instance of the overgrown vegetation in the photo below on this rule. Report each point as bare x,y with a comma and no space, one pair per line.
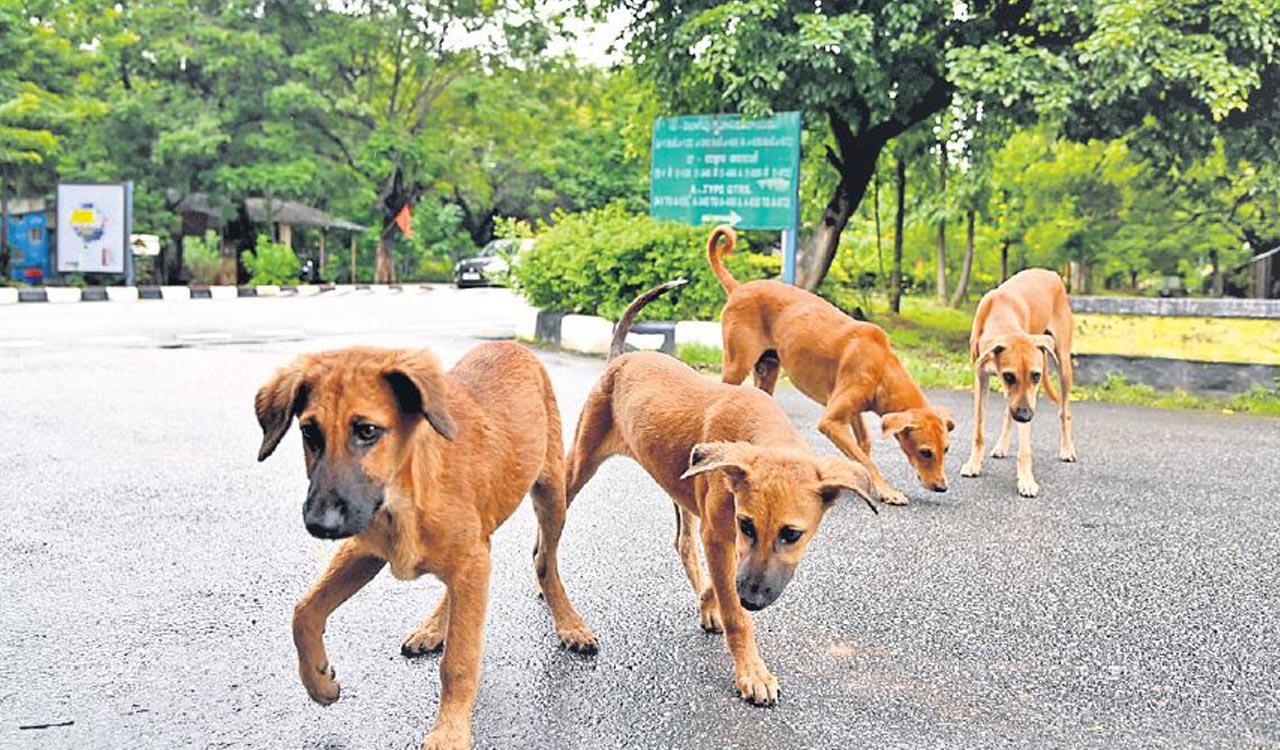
202,258
271,263
596,262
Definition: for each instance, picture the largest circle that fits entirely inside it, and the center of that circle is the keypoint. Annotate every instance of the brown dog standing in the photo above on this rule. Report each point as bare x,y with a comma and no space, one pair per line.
1019,326
416,467
844,364
729,457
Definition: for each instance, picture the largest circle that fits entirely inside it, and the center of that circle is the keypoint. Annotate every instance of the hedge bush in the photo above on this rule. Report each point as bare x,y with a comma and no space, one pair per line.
202,258
596,262
272,263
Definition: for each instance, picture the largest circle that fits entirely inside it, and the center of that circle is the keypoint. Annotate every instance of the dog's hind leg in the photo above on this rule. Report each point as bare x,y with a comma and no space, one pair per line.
1006,436
687,547
550,506
765,372
428,637
862,433
1067,451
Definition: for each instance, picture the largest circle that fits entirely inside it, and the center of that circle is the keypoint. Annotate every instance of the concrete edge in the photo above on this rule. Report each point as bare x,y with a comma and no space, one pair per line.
1178,307
592,334
174,293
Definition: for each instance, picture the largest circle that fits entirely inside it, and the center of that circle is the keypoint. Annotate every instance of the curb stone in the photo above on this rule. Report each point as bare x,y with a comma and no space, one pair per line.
174,293
592,334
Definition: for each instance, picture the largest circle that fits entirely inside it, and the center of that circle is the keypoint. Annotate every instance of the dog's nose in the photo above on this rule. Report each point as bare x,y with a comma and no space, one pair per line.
1022,414
324,521
939,487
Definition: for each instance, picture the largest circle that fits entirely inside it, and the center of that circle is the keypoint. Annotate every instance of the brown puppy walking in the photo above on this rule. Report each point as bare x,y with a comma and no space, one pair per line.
1019,326
729,458
844,364
416,467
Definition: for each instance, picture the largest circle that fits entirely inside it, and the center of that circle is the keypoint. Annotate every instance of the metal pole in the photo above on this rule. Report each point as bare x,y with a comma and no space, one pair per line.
130,273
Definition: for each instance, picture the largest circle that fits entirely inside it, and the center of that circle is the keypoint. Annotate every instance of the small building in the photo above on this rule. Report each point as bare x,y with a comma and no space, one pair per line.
240,222
27,227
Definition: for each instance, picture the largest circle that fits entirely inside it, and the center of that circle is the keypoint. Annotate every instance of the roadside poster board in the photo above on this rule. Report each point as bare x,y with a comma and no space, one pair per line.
94,224
729,169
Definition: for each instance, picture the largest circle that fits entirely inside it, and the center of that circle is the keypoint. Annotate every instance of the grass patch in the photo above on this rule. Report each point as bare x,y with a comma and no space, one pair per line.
700,356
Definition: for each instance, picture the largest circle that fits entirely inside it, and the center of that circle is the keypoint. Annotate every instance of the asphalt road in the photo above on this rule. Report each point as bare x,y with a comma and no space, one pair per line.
148,569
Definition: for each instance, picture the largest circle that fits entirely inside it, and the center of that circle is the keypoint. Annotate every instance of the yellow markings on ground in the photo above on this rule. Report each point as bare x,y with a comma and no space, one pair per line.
1235,340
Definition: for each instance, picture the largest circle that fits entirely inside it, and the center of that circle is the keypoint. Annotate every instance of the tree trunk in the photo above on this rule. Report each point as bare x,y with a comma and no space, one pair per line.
895,277
384,270
962,286
942,223
1004,261
1217,283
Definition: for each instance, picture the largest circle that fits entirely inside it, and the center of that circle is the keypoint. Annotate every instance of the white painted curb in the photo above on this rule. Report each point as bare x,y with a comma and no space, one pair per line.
308,290
8,295
223,292
647,341
122,293
175,293
585,333
526,323
701,332
268,290
60,294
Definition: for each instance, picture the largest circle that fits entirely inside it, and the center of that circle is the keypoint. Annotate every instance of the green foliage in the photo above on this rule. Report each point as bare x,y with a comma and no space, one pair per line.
700,356
596,262
202,258
271,263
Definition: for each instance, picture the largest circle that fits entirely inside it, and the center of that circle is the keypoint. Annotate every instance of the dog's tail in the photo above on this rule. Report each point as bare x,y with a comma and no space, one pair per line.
715,255
1049,388
623,327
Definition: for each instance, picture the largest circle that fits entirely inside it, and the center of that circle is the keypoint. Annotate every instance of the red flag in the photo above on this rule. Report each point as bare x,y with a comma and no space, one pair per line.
404,220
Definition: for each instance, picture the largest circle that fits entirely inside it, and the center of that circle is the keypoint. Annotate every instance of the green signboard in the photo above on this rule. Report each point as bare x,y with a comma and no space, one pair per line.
727,169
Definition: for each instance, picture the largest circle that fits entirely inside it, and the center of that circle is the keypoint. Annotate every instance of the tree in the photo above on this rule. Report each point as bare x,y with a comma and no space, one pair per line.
869,70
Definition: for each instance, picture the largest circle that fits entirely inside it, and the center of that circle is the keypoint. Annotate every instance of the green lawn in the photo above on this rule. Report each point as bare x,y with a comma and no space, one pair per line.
932,340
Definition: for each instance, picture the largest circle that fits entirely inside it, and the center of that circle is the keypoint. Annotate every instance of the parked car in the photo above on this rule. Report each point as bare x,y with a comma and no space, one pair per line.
492,266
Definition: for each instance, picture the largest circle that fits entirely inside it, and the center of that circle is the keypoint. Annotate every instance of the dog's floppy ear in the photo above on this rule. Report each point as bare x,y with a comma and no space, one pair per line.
945,415
896,422
278,401
1048,345
731,457
419,389
994,348
840,476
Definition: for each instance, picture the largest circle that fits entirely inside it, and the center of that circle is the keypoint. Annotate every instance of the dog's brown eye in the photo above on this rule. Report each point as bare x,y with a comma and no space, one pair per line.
790,535
367,432
1035,377
1010,378
926,453
747,528
310,435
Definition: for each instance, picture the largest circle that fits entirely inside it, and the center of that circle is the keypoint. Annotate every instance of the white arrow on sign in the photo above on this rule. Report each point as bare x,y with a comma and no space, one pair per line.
732,218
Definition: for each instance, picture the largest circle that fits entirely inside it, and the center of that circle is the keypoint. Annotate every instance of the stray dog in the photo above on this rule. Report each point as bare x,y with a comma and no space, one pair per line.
1019,326
729,458
416,467
846,365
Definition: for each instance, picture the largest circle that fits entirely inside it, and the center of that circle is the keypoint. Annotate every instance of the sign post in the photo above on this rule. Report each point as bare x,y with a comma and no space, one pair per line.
729,169
94,225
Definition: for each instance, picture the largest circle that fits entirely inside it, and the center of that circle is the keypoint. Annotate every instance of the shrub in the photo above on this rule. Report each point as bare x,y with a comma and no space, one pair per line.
596,262
272,263
202,258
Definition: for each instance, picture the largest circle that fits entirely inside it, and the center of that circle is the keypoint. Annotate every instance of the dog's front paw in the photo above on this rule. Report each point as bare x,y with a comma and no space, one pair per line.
427,638
447,739
1000,451
757,685
890,496
972,468
709,615
1068,455
579,638
1028,487
321,684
